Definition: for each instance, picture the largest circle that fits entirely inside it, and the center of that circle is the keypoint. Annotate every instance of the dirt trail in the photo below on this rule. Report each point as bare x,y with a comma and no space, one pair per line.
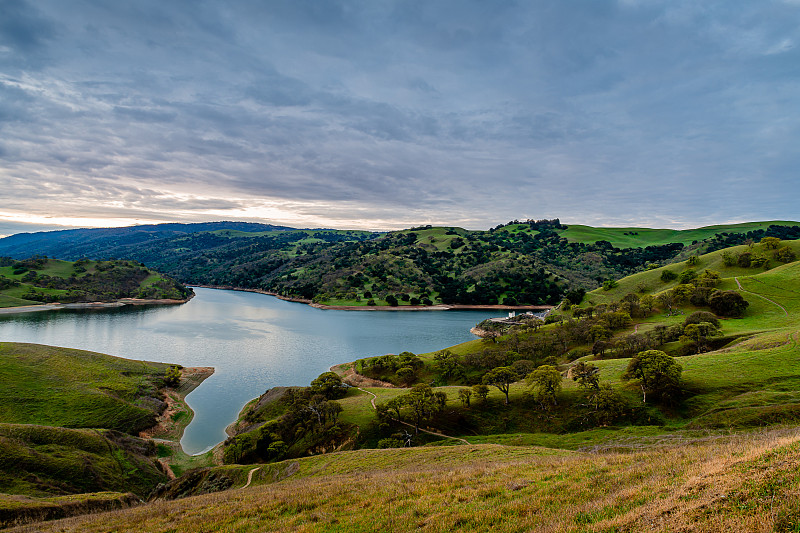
785,312
372,401
250,477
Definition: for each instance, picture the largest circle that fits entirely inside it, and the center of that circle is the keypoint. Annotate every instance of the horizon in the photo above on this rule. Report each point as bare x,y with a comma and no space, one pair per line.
66,228
614,113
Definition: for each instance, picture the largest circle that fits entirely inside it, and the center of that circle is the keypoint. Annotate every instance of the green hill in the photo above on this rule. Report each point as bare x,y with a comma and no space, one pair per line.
69,426
39,280
684,483
73,388
633,237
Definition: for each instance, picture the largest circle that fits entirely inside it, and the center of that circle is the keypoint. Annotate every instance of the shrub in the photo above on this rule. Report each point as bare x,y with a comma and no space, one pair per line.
785,255
727,303
668,275
389,442
701,316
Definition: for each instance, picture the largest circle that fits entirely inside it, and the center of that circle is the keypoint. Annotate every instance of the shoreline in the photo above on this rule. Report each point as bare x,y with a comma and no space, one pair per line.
438,307
122,302
169,427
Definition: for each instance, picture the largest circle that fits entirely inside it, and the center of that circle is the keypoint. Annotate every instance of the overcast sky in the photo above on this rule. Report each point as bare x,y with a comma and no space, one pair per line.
384,114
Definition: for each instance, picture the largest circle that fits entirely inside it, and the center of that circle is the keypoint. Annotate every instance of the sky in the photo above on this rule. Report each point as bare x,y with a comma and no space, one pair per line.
380,114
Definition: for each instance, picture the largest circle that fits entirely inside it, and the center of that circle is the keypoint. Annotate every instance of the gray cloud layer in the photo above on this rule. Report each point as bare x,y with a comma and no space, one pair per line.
387,113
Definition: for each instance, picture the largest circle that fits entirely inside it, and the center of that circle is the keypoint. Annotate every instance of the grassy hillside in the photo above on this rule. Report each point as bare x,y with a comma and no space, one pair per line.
649,281
39,279
70,422
632,237
78,389
41,461
736,483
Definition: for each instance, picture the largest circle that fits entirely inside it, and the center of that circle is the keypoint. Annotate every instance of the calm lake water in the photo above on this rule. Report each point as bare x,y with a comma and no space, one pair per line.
254,342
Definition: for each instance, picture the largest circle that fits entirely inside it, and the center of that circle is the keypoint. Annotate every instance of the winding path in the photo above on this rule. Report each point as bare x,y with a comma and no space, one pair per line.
372,401
250,477
785,312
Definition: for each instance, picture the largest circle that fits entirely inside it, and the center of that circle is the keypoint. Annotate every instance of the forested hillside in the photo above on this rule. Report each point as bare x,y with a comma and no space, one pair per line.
39,279
529,262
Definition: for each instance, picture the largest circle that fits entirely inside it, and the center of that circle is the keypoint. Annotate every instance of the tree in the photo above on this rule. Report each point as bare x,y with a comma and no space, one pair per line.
422,402
586,374
668,275
771,243
657,372
406,375
447,365
609,284
394,405
667,299
727,303
701,316
464,395
607,403
391,300
172,377
501,377
785,255
481,391
330,385
729,259
545,382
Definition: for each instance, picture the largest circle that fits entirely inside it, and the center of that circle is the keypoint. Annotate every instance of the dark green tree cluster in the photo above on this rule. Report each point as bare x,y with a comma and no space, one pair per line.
308,416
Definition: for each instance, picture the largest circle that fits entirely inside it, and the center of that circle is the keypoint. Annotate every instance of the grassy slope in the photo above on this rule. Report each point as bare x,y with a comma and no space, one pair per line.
44,391
650,281
75,388
690,484
650,237
42,461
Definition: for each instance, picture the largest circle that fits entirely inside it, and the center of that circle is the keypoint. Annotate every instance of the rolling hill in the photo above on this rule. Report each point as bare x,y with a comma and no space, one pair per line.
527,263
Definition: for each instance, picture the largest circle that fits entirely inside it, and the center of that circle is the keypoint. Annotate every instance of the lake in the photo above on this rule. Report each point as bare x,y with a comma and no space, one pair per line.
254,342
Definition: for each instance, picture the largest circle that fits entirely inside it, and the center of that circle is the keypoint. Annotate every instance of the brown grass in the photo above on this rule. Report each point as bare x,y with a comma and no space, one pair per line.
733,483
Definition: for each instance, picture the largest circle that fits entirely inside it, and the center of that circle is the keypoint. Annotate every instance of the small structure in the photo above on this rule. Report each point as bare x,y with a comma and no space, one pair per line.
512,314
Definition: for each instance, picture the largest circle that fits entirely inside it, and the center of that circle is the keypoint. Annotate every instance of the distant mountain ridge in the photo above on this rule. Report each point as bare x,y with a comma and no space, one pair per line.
68,243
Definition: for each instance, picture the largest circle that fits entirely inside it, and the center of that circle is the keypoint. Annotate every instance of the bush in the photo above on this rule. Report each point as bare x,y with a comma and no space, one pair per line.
727,303
785,255
668,275
389,442
609,284
701,316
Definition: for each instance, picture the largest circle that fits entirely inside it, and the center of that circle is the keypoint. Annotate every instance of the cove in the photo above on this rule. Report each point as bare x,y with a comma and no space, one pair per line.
253,341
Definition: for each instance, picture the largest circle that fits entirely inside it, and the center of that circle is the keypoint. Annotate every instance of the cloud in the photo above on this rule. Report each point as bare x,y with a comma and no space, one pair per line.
473,113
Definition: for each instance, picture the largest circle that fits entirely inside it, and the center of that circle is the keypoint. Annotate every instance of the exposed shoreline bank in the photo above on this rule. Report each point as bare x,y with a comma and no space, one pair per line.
90,305
439,307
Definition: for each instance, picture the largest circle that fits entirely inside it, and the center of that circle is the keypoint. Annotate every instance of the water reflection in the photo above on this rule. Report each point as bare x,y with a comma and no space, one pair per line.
254,342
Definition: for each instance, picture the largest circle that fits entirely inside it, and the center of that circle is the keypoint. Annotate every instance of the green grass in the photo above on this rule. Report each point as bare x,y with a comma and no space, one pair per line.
41,461
74,388
650,280
654,237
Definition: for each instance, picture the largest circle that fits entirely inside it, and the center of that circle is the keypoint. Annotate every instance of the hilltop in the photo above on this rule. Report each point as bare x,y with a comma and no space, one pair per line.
525,263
